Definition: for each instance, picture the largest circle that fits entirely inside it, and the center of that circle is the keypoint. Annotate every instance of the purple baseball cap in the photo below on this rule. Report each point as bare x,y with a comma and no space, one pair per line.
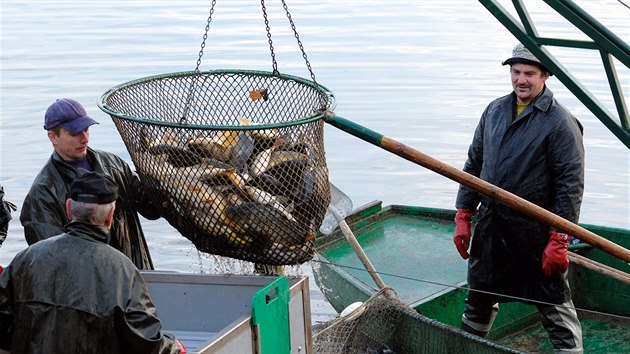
68,114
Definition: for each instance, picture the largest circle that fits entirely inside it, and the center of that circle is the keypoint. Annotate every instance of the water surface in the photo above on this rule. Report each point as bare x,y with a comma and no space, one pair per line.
420,72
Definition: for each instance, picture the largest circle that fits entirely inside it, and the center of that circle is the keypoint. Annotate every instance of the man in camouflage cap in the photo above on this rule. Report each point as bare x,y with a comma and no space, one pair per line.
530,145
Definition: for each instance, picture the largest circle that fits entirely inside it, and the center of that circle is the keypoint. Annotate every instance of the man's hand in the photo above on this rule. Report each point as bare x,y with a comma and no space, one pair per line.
555,258
462,233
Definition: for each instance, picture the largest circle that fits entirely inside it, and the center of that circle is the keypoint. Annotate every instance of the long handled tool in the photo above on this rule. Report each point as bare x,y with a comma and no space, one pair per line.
478,185
599,267
340,206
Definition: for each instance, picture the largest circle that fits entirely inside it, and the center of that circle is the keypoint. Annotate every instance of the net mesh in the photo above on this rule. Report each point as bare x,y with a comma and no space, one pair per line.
386,325
234,160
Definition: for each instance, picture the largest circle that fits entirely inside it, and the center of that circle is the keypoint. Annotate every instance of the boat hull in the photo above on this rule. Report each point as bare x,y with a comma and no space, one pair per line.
412,249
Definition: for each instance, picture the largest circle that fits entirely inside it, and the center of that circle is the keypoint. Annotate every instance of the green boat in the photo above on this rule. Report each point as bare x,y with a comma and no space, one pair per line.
412,250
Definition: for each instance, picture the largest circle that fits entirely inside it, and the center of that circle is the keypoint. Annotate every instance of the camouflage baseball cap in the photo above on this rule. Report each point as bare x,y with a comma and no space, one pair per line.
520,54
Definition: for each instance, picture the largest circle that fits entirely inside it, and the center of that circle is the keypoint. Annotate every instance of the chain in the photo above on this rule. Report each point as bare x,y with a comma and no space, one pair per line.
273,55
205,35
269,39
297,36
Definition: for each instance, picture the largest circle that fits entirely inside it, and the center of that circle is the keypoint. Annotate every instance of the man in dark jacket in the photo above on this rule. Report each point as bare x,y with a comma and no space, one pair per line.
6,208
73,293
528,144
43,212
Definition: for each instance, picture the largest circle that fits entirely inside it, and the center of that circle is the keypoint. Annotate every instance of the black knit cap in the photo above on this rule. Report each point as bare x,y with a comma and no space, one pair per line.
92,187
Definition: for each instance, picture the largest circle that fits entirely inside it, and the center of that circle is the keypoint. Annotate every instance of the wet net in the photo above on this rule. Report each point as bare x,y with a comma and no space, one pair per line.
234,160
386,325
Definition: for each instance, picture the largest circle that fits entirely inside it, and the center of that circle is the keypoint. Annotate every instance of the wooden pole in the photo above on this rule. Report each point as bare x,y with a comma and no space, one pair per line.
479,186
599,267
352,240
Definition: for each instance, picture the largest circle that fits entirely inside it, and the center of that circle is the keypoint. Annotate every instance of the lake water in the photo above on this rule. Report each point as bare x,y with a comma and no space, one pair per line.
420,72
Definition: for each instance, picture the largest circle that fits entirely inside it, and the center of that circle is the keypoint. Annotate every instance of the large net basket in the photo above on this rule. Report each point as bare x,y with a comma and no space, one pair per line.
234,160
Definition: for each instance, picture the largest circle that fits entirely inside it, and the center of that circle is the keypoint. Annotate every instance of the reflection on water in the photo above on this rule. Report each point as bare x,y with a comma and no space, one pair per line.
420,72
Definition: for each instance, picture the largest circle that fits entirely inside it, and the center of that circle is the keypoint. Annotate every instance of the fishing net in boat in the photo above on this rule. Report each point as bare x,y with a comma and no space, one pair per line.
233,159
386,325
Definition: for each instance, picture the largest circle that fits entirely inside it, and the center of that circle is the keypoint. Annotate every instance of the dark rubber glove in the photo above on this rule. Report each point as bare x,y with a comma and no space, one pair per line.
182,349
555,258
462,233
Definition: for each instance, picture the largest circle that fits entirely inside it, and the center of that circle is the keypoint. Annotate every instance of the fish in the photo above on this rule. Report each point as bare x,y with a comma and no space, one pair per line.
269,135
168,144
218,146
177,156
208,173
189,198
261,161
242,151
281,156
239,180
300,147
267,224
263,197
287,165
214,162
311,206
270,184
303,190
148,140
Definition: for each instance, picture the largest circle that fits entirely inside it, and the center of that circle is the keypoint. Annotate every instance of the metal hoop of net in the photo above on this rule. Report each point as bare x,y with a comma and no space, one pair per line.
233,159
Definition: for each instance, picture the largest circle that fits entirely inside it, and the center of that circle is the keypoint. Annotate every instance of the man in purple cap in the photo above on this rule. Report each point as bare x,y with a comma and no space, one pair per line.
43,212
528,144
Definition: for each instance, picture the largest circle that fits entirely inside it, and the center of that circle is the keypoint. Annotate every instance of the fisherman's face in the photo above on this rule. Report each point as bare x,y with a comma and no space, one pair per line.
528,81
70,146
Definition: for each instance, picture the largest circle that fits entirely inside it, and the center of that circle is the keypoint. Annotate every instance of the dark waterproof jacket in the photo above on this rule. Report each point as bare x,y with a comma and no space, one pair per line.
538,156
44,210
6,208
73,293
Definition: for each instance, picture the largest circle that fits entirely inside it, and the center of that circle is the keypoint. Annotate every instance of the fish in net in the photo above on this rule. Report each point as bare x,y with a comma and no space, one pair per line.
239,171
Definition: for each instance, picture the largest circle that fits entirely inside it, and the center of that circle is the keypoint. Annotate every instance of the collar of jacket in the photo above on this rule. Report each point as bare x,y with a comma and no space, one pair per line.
542,102
90,156
88,231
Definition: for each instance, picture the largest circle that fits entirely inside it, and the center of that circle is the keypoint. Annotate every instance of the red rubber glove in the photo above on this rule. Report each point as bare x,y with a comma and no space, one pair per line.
555,258
462,233
0,269
182,349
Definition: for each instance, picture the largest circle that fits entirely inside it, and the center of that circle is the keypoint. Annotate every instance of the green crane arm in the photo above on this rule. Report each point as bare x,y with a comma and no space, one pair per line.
602,40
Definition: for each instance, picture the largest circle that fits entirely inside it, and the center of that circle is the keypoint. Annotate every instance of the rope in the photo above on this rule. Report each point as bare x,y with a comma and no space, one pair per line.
624,4
480,291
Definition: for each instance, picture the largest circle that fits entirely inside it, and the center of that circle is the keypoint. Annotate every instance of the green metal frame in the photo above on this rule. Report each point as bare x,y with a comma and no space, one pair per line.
604,41
325,92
